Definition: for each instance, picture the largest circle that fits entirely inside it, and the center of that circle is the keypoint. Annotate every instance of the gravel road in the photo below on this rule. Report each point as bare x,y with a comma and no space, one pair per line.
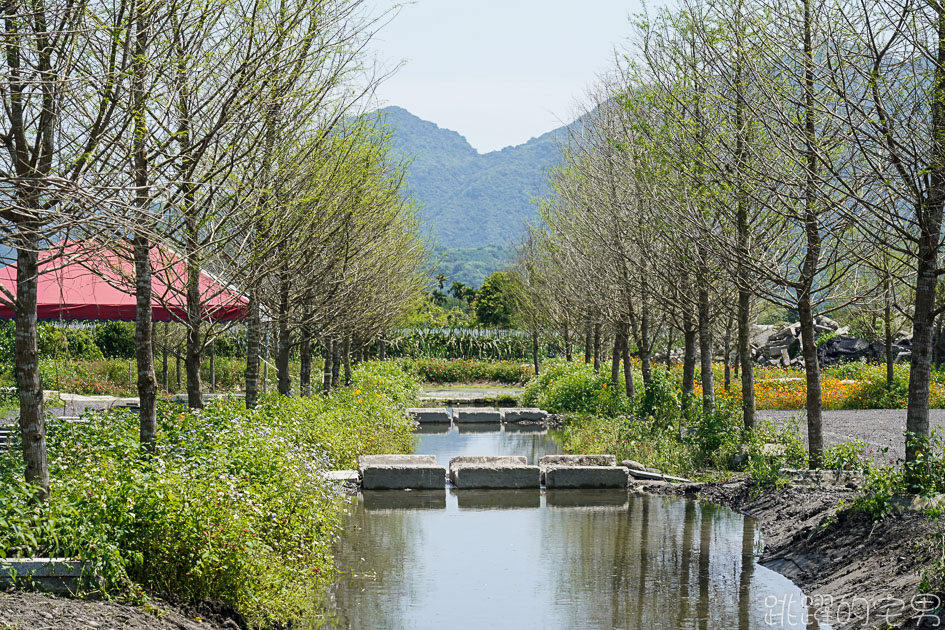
877,427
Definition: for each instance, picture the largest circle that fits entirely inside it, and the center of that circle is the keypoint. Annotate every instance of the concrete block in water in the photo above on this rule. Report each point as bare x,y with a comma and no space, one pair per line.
477,414
585,477
578,460
493,460
508,476
395,460
402,477
521,414
430,415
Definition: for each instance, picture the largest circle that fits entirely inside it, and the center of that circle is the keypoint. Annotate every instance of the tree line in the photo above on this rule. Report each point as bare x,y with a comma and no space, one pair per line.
203,139
745,153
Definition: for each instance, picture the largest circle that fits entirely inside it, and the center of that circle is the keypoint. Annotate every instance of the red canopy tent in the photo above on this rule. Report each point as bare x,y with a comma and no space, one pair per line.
79,282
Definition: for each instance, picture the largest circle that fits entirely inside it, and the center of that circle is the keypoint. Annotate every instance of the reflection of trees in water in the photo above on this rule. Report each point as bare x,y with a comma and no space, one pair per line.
376,551
659,563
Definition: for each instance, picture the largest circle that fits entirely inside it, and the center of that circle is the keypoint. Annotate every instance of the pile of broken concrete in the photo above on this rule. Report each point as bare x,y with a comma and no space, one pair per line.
781,345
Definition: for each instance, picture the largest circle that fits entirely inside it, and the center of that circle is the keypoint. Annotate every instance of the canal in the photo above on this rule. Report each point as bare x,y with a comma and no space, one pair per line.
549,559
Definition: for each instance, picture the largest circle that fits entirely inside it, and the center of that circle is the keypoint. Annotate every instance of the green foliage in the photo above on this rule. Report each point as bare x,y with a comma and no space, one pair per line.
231,507
468,371
471,265
851,455
58,342
116,339
565,387
469,343
497,301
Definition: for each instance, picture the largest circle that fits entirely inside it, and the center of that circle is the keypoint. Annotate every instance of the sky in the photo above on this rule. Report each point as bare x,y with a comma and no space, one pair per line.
498,71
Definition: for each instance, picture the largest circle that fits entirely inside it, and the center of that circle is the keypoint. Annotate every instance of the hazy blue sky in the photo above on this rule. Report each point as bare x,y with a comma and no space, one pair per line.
498,71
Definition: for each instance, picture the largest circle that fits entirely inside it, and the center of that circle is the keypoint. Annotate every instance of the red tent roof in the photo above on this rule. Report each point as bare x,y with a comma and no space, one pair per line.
69,288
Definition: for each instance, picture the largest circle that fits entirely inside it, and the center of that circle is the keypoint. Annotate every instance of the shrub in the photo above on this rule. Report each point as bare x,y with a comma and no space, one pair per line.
468,371
852,455
231,507
56,342
576,388
116,339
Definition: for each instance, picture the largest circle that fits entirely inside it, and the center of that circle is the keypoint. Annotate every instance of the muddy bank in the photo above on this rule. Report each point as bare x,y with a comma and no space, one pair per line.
858,574
20,610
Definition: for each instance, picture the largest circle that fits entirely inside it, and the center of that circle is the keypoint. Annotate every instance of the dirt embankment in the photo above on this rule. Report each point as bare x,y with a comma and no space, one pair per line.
21,610
857,573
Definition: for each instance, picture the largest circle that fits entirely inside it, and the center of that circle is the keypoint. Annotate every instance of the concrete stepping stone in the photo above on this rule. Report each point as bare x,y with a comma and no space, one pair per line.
480,415
523,414
578,460
52,575
431,415
585,477
403,477
506,477
344,477
395,460
507,472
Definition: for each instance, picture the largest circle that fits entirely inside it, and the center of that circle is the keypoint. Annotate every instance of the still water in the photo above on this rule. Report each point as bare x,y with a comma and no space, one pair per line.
556,559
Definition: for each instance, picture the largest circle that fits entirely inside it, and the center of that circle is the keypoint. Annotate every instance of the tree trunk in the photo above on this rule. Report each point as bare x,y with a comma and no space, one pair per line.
588,340
646,344
669,348
887,334
383,350
705,345
194,341
253,326
305,363
32,420
177,368
689,360
144,345
568,349
811,256
335,363
144,331
326,370
535,350
743,280
615,360
213,366
744,361
284,340
597,348
627,363
347,360
727,343
164,373
815,436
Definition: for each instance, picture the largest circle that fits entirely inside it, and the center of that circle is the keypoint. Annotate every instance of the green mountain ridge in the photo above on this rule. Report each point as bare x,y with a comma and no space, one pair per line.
471,200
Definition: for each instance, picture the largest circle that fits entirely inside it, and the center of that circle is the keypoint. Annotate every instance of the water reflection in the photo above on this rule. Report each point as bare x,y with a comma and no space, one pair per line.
556,559
484,439
520,559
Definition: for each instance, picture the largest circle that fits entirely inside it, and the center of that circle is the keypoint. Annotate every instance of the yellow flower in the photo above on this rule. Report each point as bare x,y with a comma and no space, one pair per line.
359,400
605,385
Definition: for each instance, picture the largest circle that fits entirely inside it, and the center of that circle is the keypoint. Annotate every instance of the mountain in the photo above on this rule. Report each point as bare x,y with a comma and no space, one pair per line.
471,201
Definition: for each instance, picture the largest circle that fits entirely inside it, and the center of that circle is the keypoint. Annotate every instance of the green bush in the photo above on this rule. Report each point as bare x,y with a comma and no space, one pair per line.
57,342
116,339
468,371
575,388
852,455
232,506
